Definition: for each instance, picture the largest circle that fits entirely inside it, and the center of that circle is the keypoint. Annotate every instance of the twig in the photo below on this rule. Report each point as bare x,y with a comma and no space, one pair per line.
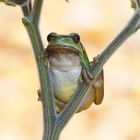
83,89
47,97
36,11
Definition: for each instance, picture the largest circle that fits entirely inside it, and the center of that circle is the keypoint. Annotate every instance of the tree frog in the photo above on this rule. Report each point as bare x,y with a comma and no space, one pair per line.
69,64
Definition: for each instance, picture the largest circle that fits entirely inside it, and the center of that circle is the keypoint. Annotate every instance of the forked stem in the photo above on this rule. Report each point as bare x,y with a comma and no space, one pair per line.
53,123
83,88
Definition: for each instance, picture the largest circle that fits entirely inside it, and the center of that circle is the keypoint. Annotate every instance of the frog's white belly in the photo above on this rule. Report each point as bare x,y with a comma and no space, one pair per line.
65,83
65,72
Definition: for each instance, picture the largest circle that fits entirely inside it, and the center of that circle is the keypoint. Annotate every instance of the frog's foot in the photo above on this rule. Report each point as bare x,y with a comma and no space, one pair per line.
39,94
59,106
90,76
96,59
87,76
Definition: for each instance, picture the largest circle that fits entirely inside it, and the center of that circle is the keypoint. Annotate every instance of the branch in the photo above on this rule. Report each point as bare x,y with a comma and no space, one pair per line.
30,21
47,97
45,80
26,10
83,88
36,11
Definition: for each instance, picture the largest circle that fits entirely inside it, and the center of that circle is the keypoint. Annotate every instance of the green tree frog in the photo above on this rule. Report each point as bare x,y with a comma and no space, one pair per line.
69,64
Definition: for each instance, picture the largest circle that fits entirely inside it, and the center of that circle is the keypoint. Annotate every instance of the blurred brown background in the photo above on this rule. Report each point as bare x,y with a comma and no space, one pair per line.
98,22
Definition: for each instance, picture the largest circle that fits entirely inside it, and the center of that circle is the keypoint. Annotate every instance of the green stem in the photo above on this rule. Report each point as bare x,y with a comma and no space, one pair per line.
45,80
47,98
83,88
36,11
129,30
54,124
26,10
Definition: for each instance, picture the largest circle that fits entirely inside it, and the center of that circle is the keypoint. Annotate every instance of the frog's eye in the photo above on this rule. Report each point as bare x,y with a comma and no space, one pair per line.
75,37
50,36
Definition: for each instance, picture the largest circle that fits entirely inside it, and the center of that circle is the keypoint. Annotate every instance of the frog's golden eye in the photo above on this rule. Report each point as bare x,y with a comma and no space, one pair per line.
50,36
75,37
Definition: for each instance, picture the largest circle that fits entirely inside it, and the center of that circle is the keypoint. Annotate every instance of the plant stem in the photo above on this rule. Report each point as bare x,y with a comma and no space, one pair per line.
26,10
36,11
83,88
129,30
47,97
45,80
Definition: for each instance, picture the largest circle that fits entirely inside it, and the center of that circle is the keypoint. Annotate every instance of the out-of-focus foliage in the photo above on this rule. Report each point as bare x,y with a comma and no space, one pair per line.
98,22
14,2
135,4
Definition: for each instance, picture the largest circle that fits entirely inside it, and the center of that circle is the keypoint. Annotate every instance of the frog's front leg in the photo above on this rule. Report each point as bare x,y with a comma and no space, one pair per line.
97,93
59,105
87,76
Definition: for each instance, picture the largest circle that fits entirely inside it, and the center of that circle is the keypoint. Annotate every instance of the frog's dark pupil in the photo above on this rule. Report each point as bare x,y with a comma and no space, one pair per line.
76,38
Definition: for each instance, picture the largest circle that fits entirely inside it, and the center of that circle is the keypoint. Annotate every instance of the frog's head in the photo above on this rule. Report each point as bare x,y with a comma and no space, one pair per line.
64,43
64,50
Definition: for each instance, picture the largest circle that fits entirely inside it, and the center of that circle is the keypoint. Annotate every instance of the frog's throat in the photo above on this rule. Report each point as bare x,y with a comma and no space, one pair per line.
57,49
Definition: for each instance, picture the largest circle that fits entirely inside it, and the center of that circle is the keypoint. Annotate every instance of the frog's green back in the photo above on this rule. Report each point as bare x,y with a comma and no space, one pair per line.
84,57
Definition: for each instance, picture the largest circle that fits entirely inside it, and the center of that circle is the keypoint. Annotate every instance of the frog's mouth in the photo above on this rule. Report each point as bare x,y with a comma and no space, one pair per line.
63,57
56,50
